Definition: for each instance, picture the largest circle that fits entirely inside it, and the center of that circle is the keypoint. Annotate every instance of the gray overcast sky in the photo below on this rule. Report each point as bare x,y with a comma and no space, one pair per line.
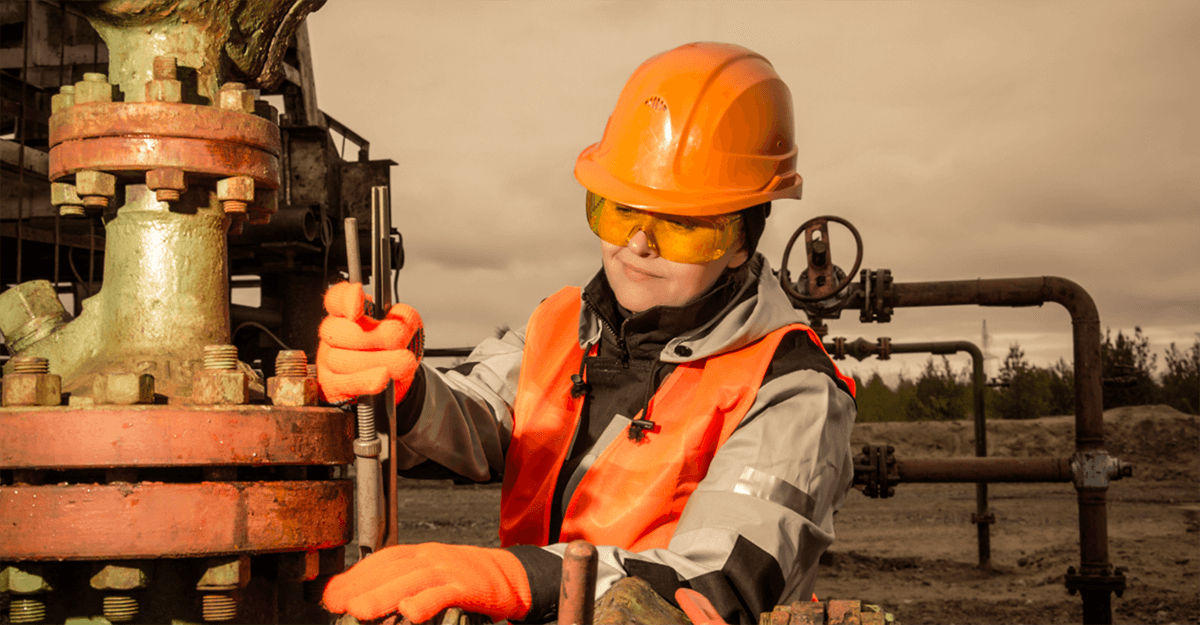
963,139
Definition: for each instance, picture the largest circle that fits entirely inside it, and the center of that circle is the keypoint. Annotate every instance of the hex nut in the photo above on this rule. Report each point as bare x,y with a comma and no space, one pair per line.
123,389
32,389
167,183
24,580
116,577
95,187
64,193
30,312
233,96
164,91
292,391
93,88
235,193
225,574
236,188
220,387
65,98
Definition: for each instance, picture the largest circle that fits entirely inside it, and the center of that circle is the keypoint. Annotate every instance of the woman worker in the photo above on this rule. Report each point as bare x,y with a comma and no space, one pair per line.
673,411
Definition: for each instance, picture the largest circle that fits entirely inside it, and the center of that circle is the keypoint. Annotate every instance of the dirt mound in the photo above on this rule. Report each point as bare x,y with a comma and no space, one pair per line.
1161,442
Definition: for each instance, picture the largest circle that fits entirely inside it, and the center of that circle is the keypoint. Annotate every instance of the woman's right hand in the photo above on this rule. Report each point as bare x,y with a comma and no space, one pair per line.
357,355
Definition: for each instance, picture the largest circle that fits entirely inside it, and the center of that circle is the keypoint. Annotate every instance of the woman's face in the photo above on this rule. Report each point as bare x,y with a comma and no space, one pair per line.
642,279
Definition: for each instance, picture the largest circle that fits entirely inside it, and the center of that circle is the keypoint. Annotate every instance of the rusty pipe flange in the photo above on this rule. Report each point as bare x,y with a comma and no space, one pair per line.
155,519
181,143
167,436
163,119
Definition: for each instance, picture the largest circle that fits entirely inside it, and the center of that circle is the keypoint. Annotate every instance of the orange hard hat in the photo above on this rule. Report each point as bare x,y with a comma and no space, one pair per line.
700,130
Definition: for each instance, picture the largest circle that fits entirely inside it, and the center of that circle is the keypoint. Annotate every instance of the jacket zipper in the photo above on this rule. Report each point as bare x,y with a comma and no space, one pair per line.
604,322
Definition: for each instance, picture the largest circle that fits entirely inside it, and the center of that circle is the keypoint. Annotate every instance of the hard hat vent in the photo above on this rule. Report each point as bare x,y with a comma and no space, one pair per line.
656,103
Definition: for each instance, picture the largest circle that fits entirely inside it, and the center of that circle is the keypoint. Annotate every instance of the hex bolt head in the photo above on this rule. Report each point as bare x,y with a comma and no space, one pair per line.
93,88
217,387
29,312
164,91
119,577
95,187
235,193
24,579
233,96
123,389
64,196
65,98
293,391
225,573
167,183
163,87
32,389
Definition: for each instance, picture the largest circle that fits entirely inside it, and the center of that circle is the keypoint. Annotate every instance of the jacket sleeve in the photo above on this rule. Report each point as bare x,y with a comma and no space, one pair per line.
457,422
752,532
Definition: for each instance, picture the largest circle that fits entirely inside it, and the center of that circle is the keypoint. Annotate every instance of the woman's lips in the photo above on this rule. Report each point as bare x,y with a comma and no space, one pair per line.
636,274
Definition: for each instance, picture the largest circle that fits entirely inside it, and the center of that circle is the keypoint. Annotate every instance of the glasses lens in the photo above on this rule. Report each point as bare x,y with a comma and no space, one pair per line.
677,238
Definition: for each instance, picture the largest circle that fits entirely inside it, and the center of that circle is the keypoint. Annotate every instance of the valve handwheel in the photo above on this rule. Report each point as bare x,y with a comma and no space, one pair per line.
822,274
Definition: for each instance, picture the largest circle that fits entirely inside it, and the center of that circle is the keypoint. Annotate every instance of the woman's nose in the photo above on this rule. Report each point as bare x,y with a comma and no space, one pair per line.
639,244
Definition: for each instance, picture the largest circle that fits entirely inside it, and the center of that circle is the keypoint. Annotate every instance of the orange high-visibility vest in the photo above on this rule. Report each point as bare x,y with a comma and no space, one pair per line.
634,492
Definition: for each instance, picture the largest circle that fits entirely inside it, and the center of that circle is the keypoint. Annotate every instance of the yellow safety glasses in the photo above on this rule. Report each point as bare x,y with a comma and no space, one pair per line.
677,238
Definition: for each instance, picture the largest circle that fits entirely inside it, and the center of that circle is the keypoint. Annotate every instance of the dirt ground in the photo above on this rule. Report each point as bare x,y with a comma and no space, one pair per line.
916,554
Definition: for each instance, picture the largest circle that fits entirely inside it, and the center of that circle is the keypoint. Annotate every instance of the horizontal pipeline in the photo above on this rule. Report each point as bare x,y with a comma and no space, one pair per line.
985,470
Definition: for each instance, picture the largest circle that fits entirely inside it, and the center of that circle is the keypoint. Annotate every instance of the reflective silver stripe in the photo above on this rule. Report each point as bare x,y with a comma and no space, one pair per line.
770,488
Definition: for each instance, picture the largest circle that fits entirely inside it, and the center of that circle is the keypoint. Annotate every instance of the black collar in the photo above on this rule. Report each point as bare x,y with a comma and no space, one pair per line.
647,332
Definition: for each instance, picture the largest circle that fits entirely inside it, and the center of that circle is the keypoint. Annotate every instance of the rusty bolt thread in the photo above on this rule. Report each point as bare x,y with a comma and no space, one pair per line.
120,608
95,201
219,607
166,195
164,68
234,206
291,363
69,210
220,357
30,364
26,610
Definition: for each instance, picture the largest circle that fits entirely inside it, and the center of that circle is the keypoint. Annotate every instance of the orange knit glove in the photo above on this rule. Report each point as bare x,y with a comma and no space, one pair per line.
421,580
357,354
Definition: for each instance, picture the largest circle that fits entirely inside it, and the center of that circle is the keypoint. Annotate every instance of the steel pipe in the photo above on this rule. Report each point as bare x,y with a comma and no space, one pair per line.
985,470
1089,411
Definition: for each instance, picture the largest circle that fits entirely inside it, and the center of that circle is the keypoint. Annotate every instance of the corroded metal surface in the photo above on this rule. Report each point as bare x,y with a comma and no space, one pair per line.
247,39
153,520
161,436
132,154
632,601
577,592
162,119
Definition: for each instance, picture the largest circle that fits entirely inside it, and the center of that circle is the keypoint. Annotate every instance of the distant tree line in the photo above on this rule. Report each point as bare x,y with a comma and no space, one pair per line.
1025,391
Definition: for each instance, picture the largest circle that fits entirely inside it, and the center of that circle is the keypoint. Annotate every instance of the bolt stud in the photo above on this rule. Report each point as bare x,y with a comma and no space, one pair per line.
220,357
31,364
219,607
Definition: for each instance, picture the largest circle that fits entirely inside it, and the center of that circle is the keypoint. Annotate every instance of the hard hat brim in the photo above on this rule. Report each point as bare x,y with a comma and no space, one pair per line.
597,179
